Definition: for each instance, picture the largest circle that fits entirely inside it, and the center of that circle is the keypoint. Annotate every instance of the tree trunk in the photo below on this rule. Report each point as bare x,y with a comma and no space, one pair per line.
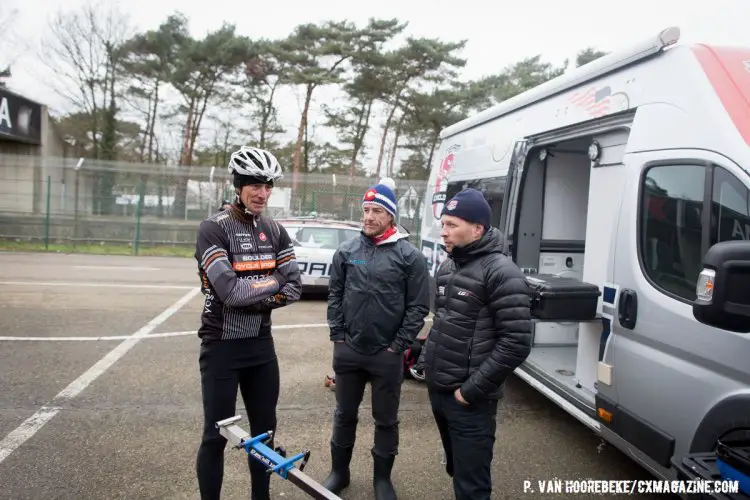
432,152
300,137
179,205
267,110
152,124
385,135
144,142
395,144
360,135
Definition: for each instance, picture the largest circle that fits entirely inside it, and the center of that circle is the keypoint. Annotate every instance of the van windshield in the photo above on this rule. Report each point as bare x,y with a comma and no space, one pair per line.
493,189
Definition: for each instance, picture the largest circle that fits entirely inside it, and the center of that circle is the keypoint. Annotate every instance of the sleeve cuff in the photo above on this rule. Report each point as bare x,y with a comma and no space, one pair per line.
470,392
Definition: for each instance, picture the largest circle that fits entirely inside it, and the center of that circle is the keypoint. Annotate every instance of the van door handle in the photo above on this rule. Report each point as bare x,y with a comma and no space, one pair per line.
627,310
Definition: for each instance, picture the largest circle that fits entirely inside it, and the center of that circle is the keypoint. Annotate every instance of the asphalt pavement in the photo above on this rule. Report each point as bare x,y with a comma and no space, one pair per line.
100,395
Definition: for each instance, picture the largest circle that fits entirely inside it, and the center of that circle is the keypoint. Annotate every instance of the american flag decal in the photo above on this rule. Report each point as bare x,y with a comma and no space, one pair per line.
592,101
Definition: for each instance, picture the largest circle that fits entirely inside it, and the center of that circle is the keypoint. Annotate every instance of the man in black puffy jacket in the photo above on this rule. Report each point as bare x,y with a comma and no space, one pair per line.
377,302
481,332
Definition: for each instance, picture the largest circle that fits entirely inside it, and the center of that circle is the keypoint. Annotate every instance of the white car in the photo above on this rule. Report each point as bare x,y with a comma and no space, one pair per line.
315,241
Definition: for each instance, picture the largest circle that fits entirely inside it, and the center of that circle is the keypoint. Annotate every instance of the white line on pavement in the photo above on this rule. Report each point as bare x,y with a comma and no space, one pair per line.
124,268
152,335
31,425
74,284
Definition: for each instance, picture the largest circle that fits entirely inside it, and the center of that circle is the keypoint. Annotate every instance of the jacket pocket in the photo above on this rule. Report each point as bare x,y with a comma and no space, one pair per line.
470,345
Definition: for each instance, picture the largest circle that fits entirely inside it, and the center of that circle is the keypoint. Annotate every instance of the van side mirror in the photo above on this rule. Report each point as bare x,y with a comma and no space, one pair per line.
722,299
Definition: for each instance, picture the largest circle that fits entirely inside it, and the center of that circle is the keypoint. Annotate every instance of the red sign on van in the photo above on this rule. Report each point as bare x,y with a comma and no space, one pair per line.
728,70
441,183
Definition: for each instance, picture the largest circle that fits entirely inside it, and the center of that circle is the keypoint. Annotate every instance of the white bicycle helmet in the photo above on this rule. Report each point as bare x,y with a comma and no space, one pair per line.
254,163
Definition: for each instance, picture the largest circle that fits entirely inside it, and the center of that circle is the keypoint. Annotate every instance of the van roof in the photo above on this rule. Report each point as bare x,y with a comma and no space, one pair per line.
578,76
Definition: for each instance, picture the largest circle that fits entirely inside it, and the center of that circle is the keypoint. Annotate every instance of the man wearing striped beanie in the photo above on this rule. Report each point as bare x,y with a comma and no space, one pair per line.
377,302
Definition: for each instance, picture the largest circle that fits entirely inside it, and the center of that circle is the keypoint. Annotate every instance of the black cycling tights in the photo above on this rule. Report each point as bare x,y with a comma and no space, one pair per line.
222,372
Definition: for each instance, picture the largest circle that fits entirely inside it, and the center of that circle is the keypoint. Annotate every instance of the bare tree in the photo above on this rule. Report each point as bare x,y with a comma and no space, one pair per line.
80,48
8,41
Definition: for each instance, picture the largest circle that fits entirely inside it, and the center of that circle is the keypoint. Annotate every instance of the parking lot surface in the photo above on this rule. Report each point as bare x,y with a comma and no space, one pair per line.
100,395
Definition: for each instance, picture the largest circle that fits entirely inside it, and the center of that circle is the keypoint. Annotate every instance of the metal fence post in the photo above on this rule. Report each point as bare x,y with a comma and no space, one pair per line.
138,212
47,214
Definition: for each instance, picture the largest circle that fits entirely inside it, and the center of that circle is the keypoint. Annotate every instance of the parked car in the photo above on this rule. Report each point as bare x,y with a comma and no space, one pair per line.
315,241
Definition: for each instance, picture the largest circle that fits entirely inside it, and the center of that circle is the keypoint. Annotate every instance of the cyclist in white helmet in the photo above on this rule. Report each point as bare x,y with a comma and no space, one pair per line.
247,268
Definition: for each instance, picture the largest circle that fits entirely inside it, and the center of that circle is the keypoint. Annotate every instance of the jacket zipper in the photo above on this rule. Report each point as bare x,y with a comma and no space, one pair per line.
447,310
370,257
450,286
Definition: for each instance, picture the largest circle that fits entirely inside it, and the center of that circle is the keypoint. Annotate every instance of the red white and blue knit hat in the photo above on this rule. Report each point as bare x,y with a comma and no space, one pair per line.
383,196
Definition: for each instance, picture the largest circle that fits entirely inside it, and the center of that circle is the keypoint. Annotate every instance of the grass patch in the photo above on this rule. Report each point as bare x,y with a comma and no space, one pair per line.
97,248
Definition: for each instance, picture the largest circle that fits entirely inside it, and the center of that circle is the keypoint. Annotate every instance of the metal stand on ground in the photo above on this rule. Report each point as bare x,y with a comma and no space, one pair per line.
274,460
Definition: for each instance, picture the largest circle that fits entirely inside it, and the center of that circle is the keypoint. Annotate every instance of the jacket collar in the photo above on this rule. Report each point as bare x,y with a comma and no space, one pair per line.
392,238
490,242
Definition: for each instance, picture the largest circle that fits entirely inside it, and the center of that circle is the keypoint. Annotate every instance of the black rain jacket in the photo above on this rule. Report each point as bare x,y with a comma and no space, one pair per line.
378,294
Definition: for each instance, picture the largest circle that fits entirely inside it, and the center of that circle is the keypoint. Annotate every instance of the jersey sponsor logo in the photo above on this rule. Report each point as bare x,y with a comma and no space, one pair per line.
254,262
441,182
255,277
254,265
264,283
262,236
249,257
206,288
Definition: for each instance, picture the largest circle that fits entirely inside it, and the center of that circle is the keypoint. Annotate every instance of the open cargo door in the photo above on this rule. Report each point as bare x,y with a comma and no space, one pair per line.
512,183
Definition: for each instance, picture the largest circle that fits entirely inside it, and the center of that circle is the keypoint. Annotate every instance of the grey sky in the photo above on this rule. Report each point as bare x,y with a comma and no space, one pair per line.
497,36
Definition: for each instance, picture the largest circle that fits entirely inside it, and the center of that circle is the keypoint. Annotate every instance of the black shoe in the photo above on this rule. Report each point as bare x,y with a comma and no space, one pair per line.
382,467
339,477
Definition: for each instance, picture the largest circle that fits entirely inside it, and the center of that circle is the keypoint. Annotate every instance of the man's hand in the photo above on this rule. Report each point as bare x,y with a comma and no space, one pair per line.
278,299
460,398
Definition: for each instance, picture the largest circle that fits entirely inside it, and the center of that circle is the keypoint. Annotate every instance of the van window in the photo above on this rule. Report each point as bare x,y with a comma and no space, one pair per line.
493,189
730,219
670,234
319,237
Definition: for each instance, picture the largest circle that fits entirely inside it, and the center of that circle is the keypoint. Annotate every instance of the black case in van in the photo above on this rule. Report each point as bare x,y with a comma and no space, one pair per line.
562,299
733,461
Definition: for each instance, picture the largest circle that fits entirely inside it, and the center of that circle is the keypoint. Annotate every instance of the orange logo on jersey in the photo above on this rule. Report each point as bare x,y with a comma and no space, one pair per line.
254,265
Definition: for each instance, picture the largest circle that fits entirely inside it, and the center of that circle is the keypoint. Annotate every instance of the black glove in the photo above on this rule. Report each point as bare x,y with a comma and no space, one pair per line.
268,304
277,300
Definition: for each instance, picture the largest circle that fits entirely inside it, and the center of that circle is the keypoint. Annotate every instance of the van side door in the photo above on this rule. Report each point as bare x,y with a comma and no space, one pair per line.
670,370
510,200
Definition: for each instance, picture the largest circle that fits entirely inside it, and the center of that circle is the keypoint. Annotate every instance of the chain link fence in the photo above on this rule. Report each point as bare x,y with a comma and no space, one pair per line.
67,204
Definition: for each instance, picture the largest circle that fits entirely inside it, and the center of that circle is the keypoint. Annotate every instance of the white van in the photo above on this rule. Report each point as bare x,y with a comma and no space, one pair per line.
630,173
